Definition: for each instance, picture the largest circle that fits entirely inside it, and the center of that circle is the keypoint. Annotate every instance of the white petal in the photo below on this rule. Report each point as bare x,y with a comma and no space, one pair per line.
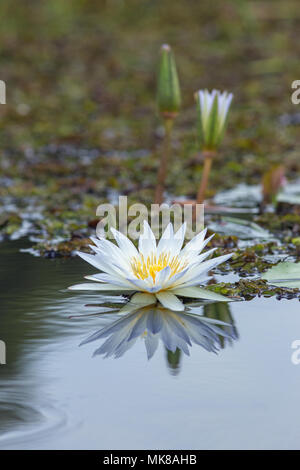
189,272
178,240
170,341
111,250
143,299
147,243
175,242
177,325
124,243
110,279
162,276
119,329
225,101
142,284
198,293
140,325
176,279
193,275
169,300
166,238
200,258
104,244
98,262
210,99
100,287
151,344
110,258
108,262
195,244
154,321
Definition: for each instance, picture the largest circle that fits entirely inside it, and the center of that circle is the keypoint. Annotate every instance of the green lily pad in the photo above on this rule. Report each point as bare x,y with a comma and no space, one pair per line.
243,229
285,274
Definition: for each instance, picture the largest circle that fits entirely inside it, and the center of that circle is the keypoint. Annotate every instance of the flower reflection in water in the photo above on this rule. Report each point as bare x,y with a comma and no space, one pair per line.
176,330
219,311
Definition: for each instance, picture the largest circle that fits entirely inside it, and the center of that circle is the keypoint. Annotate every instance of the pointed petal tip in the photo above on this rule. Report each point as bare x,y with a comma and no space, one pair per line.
169,300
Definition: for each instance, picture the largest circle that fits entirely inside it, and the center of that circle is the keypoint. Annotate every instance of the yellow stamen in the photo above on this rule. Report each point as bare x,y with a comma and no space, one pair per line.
143,268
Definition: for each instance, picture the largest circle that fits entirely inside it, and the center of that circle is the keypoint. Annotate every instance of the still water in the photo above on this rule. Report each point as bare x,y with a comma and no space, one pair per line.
237,389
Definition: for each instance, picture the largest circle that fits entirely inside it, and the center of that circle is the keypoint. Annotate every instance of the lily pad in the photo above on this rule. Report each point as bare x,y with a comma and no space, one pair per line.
290,194
285,274
243,229
241,196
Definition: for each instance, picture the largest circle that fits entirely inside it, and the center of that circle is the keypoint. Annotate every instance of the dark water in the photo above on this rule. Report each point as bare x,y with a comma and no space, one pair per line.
55,395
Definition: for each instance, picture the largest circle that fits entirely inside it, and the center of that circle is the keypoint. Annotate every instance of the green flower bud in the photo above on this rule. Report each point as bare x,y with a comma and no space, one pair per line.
212,117
168,90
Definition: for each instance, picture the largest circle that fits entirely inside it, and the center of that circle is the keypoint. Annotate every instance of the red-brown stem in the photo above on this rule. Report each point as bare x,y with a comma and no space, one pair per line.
208,158
163,166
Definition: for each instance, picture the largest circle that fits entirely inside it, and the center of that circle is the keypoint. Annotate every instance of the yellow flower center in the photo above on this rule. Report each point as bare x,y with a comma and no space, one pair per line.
144,267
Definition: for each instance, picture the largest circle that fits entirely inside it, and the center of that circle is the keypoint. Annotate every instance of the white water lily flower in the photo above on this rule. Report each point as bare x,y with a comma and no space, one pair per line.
212,113
154,272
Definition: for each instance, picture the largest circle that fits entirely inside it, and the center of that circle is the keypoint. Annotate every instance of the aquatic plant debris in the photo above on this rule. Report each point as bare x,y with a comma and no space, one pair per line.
243,229
153,273
284,274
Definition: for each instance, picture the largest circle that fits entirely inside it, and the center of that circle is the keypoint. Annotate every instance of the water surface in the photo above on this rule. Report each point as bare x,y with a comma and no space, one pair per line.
55,395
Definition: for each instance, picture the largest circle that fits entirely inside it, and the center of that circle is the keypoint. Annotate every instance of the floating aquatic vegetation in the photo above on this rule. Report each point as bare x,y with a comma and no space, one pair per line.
248,289
290,194
243,229
242,195
282,225
153,272
284,274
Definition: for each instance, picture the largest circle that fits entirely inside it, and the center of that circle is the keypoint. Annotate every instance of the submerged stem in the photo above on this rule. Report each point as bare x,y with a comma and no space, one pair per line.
208,158
163,166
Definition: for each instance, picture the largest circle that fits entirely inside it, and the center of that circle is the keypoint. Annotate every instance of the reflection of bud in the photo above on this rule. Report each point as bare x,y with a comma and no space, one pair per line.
173,359
212,116
221,311
168,92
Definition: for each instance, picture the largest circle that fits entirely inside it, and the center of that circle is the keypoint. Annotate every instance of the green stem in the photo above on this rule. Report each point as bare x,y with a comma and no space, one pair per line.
163,166
208,158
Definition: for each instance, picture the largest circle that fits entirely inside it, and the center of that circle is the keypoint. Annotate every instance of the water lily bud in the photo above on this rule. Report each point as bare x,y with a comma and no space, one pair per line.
212,108
168,91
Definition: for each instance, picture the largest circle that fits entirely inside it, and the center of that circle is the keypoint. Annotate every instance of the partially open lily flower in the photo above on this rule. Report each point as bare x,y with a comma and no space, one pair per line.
213,108
153,272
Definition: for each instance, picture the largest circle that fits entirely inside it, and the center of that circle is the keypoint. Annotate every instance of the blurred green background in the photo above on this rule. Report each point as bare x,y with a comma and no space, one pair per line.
82,75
